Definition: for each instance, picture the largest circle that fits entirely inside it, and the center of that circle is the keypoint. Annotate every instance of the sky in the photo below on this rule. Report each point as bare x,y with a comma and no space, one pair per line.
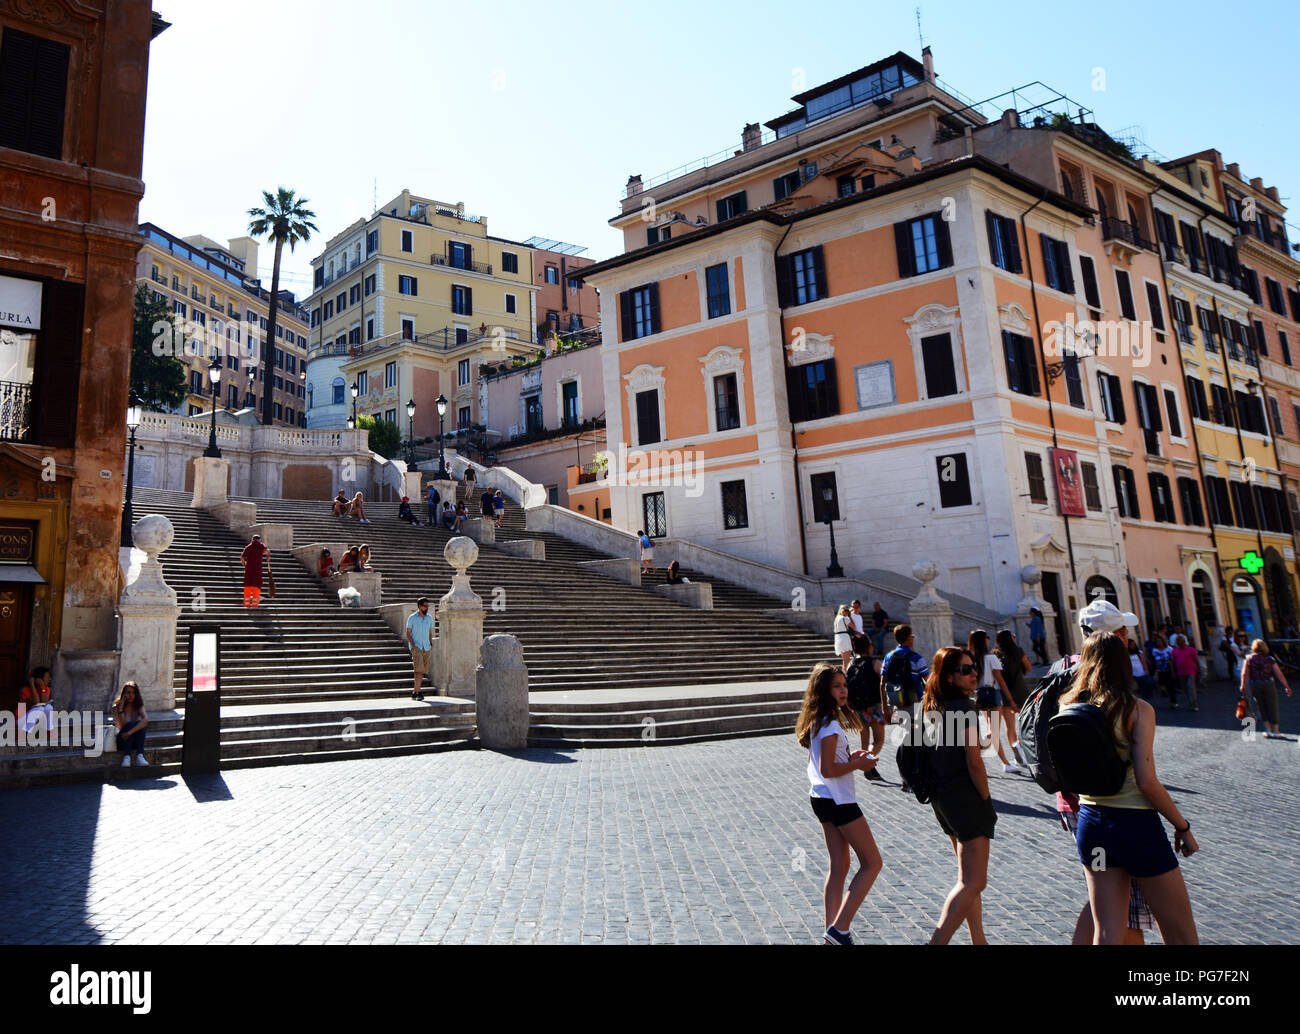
534,115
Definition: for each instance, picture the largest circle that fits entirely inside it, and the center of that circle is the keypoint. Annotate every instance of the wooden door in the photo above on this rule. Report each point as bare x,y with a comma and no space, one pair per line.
15,637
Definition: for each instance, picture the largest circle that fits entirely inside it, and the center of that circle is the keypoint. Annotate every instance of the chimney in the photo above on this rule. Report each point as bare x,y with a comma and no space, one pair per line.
1272,192
751,137
928,61
1011,118
1258,184
1234,170
634,185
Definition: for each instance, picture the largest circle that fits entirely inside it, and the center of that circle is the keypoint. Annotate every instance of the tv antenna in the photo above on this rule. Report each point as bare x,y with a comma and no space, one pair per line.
919,37
374,199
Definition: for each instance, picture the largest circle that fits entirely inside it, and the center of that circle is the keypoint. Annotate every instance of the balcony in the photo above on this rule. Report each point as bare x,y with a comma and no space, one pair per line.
158,278
1277,241
1113,229
194,293
1173,253
473,267
15,411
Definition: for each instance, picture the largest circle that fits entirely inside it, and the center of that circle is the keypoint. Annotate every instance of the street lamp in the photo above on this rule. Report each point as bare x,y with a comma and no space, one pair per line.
356,390
252,379
410,434
834,571
133,414
214,376
441,402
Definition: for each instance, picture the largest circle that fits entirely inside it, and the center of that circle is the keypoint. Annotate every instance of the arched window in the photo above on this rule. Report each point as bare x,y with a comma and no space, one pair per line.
338,391
1098,587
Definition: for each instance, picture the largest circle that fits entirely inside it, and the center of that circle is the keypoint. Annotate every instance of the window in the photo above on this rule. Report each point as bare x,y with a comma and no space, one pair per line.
647,417
1220,405
509,262
1022,364
329,310
1189,495
735,514
940,374
340,303
372,242
654,517
1004,248
462,300
784,186
845,185
196,382
408,241
1091,489
954,480
923,245
279,411
569,404
1250,284
731,206
1275,416
800,277
390,375
34,90
354,294
1090,293
459,255
370,329
463,419
1275,296
639,311
1126,492
719,293
1126,308
1216,493
1073,379
1192,246
1056,264
1171,411
1182,319
824,508
726,402
462,372
1259,339
1285,345
1243,505
532,414
1293,296
370,285
1034,474
651,235
1162,501
462,335
1148,414
1209,332
407,285
510,303
812,391
1250,413
363,383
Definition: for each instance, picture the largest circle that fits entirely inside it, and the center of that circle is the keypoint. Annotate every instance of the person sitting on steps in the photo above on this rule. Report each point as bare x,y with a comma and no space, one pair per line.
325,565
357,508
340,504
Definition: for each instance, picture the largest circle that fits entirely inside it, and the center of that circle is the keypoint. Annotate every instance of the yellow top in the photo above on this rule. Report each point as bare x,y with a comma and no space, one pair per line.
1129,795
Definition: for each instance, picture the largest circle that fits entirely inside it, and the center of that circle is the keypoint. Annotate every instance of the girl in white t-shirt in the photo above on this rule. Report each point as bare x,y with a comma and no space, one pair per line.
822,729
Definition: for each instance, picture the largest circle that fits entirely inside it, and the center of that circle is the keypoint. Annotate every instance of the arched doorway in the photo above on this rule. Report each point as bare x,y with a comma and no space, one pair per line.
1207,618
1246,603
1098,587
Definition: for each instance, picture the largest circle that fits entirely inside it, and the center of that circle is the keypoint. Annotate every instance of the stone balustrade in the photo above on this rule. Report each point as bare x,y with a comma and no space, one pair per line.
691,594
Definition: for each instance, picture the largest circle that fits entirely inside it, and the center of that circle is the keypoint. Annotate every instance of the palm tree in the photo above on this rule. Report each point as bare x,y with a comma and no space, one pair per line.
285,218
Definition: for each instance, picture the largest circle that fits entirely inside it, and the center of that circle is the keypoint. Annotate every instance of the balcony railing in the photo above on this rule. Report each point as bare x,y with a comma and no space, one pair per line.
443,340
194,293
15,411
1173,253
476,267
1113,229
158,278
1269,237
1198,265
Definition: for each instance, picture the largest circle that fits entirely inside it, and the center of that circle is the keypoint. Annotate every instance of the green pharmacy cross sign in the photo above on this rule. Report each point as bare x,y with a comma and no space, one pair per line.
1252,562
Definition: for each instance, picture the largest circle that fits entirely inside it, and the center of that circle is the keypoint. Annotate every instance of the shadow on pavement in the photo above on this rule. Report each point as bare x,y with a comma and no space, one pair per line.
207,788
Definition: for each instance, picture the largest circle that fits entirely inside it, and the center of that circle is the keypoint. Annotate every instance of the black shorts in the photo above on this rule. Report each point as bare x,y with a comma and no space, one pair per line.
827,810
963,814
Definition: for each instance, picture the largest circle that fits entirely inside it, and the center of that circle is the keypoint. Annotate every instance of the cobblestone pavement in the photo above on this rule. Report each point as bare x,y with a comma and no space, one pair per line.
705,843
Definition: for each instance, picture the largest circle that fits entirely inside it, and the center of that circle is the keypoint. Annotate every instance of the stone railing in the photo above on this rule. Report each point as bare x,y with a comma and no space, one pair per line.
526,493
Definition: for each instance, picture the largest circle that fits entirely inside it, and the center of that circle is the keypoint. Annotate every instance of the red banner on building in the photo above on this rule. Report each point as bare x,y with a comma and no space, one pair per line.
1069,482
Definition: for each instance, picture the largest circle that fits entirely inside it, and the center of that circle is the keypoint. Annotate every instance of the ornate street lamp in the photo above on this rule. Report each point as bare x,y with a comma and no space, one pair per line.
356,390
834,571
441,403
134,411
410,434
214,376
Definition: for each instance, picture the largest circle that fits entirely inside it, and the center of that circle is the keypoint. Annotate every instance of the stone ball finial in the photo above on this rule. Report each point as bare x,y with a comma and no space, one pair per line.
925,571
1030,575
461,553
153,534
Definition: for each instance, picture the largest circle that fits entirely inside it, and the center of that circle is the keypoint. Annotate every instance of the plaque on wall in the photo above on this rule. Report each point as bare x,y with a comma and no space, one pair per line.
16,542
875,382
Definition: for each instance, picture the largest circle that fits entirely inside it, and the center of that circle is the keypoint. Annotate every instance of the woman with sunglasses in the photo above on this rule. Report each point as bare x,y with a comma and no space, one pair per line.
961,801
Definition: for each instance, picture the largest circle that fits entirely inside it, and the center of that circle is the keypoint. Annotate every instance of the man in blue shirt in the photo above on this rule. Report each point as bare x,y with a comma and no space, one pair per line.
419,637
431,497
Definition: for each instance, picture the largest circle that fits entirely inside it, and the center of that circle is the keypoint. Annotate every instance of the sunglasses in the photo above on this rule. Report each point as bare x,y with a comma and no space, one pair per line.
966,669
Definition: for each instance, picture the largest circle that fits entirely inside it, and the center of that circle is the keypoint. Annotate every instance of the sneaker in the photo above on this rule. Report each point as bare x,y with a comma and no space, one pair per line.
834,936
1020,755
140,761
126,761
1011,769
874,776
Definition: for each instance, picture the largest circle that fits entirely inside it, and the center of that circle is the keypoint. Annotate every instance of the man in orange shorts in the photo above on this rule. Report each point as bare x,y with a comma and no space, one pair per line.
254,558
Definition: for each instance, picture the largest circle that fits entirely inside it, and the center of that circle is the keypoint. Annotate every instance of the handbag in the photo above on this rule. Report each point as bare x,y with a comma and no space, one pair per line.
270,583
1241,708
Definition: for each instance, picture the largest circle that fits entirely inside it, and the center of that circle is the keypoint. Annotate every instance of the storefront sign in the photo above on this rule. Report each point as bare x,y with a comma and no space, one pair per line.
1069,482
20,303
15,544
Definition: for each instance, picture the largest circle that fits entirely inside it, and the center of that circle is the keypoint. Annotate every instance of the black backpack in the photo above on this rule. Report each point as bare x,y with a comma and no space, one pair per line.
900,683
1039,709
863,683
916,766
1084,753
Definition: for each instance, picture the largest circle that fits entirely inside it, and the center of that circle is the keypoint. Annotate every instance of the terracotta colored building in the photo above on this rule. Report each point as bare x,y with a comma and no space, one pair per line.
70,187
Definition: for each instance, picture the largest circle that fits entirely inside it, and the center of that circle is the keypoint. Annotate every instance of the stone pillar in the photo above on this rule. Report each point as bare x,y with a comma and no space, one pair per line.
501,694
930,615
480,529
460,623
210,477
411,487
1030,578
148,613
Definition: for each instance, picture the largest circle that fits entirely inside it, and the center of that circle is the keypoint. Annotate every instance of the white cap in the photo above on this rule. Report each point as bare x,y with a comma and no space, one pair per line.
1104,616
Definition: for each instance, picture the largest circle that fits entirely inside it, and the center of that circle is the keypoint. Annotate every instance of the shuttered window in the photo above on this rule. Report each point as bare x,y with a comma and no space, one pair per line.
639,312
1022,364
923,245
801,277
954,480
33,93
1004,248
1089,270
1034,474
1157,310
812,391
1091,489
1056,264
1125,289
647,417
940,374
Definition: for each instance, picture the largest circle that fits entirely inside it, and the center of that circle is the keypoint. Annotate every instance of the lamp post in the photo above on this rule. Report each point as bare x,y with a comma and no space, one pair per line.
441,403
214,376
356,390
133,413
410,433
248,393
834,571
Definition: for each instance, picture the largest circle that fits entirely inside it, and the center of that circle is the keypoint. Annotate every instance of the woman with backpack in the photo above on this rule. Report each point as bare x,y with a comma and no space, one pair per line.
822,728
993,697
961,800
865,697
1260,678
1119,835
844,635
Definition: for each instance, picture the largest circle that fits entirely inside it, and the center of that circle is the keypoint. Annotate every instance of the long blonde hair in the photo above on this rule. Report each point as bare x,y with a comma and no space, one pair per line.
1104,678
819,705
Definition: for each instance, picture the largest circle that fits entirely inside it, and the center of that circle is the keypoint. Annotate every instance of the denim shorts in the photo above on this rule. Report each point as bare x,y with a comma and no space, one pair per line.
1132,839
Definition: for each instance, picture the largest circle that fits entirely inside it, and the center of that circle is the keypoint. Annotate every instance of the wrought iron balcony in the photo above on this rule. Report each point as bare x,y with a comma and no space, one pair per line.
15,411
1113,229
474,267
1173,253
1270,237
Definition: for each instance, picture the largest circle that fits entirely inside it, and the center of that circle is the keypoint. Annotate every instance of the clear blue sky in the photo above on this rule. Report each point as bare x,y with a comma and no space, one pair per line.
536,114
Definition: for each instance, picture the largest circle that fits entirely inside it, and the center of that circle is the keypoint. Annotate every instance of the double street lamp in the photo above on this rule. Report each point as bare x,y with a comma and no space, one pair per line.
214,375
352,420
134,411
441,403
